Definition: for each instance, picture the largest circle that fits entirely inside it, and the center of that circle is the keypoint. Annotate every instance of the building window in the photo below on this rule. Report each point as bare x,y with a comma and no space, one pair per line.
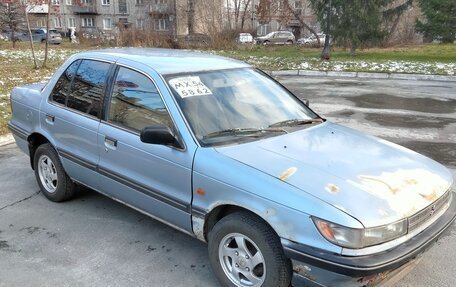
263,29
123,6
40,23
161,24
106,2
69,2
55,2
107,24
86,1
71,23
57,23
140,24
298,7
139,2
88,22
160,1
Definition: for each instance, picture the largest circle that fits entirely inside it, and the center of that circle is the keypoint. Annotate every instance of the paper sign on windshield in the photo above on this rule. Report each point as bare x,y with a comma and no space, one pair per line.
189,87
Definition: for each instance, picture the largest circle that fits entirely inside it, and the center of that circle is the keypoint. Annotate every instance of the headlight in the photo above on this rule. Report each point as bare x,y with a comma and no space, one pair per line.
360,238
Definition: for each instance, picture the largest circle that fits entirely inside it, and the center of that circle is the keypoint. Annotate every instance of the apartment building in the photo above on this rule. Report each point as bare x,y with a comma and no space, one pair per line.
174,18
92,17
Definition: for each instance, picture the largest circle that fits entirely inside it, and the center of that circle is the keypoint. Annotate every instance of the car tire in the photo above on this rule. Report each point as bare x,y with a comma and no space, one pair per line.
289,42
52,179
245,251
266,43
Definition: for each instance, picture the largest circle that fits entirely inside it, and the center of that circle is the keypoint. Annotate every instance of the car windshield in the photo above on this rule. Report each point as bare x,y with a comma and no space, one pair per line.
237,105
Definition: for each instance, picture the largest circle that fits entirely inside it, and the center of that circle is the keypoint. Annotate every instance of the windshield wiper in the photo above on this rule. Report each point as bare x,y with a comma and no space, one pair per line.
242,132
295,122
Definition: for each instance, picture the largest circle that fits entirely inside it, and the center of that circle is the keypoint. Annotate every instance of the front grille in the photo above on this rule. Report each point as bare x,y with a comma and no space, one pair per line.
420,218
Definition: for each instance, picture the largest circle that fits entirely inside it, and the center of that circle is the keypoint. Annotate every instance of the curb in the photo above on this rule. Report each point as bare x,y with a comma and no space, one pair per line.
412,77
6,139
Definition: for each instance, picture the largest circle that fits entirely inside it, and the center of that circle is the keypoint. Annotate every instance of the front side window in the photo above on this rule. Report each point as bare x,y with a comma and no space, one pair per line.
60,91
236,105
136,103
87,88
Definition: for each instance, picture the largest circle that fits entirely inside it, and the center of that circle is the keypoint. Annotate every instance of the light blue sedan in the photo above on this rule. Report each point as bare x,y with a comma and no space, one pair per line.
223,152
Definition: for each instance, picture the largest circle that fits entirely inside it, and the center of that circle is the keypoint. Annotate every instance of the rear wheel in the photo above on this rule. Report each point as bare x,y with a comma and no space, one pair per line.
245,251
50,175
266,43
289,42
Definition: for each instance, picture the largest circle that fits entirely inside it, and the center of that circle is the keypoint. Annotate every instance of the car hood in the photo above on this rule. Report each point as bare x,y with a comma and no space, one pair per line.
375,181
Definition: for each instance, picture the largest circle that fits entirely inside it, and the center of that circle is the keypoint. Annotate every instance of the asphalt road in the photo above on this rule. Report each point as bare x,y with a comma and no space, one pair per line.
94,241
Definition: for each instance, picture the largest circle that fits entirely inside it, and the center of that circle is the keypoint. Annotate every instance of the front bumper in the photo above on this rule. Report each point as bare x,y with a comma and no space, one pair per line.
369,265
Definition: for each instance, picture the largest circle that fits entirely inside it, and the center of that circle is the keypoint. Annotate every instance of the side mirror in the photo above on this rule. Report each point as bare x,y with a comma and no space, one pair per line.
160,135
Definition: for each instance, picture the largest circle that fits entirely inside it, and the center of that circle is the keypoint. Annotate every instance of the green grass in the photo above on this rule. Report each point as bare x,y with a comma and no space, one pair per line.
16,70
419,53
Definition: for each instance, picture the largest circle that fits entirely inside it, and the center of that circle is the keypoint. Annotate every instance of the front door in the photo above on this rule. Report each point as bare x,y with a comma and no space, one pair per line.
153,178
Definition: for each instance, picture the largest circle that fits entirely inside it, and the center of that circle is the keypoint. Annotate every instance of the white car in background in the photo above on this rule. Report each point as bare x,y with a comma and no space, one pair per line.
312,41
245,38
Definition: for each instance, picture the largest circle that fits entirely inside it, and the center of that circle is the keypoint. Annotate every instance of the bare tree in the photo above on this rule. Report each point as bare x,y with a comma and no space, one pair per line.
237,11
46,44
283,11
298,17
245,13
11,17
32,46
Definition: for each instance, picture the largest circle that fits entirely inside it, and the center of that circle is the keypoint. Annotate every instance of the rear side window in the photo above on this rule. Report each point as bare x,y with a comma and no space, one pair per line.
87,88
136,103
60,91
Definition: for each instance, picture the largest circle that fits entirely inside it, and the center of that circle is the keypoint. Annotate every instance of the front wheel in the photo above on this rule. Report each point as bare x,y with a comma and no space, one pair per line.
52,178
245,251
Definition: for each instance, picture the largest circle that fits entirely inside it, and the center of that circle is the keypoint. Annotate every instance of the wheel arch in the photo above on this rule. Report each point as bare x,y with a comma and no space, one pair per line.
34,141
219,212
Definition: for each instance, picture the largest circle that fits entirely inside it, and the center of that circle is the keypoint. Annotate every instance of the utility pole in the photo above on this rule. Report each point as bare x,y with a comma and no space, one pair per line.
326,53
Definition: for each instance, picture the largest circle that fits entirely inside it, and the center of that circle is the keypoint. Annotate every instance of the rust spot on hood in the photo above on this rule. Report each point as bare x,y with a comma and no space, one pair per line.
332,188
392,189
406,191
287,173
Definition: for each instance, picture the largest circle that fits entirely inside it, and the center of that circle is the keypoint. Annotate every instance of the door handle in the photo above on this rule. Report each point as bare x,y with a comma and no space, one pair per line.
50,118
110,142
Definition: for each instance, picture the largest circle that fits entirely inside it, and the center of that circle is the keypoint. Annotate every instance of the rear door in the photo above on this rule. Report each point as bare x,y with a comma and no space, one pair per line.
72,114
153,178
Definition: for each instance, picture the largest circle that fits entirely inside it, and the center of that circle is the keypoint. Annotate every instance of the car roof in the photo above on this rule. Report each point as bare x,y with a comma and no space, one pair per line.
168,61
